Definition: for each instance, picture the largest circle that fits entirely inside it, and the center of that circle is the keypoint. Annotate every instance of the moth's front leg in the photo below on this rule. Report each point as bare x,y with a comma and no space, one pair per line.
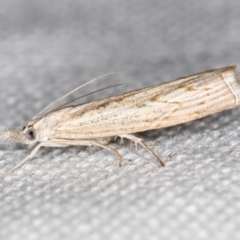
137,140
30,155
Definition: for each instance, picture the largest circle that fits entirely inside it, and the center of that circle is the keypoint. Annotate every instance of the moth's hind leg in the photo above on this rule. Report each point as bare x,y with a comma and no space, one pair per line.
137,140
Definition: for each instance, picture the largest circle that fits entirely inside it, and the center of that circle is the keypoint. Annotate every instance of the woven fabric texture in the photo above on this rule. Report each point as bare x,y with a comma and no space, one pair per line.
47,48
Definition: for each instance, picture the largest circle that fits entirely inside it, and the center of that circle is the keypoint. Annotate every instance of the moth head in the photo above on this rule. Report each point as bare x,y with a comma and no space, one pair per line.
30,133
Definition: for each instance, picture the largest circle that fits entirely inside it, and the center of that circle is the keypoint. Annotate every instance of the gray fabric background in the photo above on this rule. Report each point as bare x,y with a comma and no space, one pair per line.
49,47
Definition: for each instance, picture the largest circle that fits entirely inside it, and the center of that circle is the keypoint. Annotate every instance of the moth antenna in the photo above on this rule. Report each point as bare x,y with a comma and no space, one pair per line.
15,135
74,90
101,89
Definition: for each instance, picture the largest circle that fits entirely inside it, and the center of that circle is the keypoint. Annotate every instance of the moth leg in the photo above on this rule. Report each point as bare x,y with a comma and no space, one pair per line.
30,155
112,150
121,140
90,148
100,143
137,140
132,138
104,140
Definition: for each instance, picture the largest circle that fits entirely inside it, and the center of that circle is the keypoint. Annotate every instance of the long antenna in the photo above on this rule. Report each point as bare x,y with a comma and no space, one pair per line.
83,85
61,106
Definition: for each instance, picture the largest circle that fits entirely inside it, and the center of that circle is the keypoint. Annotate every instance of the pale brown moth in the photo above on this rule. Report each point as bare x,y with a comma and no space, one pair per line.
163,105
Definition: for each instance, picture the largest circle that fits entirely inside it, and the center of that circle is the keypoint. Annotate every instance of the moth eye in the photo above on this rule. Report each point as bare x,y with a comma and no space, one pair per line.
30,134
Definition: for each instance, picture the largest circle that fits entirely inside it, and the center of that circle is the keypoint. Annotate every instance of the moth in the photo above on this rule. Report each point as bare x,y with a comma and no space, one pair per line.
162,105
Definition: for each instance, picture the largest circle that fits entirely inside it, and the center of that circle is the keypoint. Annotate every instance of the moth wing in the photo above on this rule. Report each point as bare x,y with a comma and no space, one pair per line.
158,106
